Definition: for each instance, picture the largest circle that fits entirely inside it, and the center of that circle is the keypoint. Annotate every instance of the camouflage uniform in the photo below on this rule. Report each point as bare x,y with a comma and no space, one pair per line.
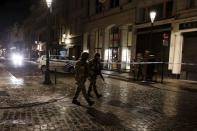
138,67
81,74
94,71
144,70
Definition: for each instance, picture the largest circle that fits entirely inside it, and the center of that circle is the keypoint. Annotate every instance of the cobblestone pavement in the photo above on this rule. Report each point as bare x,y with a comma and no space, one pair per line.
27,105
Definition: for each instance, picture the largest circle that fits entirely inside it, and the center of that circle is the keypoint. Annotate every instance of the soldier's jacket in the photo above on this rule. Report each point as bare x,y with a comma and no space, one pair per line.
94,68
81,71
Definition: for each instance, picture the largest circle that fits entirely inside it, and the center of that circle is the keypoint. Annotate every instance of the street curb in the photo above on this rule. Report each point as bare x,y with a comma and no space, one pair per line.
117,77
28,105
188,89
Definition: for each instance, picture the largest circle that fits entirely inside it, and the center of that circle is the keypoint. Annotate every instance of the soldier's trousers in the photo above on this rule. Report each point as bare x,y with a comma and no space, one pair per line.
81,87
93,85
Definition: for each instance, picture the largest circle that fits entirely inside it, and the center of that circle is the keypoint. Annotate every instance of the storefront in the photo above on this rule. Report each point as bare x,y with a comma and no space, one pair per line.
114,43
154,41
183,47
118,52
189,69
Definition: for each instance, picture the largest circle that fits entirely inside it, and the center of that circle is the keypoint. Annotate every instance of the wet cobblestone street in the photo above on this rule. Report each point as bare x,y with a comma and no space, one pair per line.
32,106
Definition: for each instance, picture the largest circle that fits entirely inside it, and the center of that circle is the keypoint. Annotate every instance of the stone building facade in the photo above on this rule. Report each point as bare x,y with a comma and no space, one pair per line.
119,29
109,31
65,27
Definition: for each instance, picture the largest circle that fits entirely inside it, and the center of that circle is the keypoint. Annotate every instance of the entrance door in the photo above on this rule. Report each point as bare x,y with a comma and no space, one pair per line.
189,55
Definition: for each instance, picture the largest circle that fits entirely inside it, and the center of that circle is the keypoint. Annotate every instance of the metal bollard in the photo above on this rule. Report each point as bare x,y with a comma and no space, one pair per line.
55,76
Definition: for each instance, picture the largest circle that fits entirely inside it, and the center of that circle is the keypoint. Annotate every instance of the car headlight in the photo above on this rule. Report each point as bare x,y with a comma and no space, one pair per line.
17,59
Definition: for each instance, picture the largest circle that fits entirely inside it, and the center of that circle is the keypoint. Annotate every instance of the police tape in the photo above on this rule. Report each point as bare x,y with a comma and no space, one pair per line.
145,63
134,63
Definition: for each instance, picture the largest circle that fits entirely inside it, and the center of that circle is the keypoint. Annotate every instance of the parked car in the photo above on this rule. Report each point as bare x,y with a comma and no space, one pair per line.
58,63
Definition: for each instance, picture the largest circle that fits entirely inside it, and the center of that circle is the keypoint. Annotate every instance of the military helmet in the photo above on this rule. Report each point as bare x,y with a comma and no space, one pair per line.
96,55
84,55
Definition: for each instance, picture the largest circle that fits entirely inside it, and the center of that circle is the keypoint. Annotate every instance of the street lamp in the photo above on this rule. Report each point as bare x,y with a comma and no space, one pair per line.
47,80
152,16
66,39
49,3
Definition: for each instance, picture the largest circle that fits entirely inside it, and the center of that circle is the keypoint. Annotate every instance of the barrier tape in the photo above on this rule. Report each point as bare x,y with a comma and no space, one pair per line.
128,63
143,63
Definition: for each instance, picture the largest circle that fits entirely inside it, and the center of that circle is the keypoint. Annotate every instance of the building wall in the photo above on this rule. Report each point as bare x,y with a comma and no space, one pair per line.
70,24
130,13
99,25
90,26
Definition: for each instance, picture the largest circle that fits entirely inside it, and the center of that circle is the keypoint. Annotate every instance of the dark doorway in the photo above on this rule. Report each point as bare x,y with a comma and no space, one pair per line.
154,44
189,55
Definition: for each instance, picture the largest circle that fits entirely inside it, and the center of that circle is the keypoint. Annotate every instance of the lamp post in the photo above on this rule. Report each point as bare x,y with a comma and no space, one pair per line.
47,80
152,18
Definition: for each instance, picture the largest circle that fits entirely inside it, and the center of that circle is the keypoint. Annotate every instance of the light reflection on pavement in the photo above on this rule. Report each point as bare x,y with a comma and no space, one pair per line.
124,106
16,81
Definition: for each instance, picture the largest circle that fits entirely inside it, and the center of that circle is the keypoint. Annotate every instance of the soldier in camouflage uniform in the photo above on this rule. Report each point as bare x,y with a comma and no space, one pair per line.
81,74
138,67
94,71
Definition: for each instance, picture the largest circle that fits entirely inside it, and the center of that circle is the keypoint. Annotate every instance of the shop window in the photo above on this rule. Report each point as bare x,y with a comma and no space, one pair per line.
111,55
114,50
114,3
114,54
126,51
126,58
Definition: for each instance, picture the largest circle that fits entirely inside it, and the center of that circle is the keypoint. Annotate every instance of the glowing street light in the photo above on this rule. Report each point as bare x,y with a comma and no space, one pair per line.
49,3
153,15
67,41
64,36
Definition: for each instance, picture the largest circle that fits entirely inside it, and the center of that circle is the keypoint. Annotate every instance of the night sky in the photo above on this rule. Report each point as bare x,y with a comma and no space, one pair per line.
12,11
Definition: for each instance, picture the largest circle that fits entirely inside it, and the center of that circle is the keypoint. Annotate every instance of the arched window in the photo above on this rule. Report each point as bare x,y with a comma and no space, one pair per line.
114,37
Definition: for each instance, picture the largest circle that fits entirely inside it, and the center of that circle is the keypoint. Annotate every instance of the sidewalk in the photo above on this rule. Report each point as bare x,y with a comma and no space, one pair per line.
175,84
